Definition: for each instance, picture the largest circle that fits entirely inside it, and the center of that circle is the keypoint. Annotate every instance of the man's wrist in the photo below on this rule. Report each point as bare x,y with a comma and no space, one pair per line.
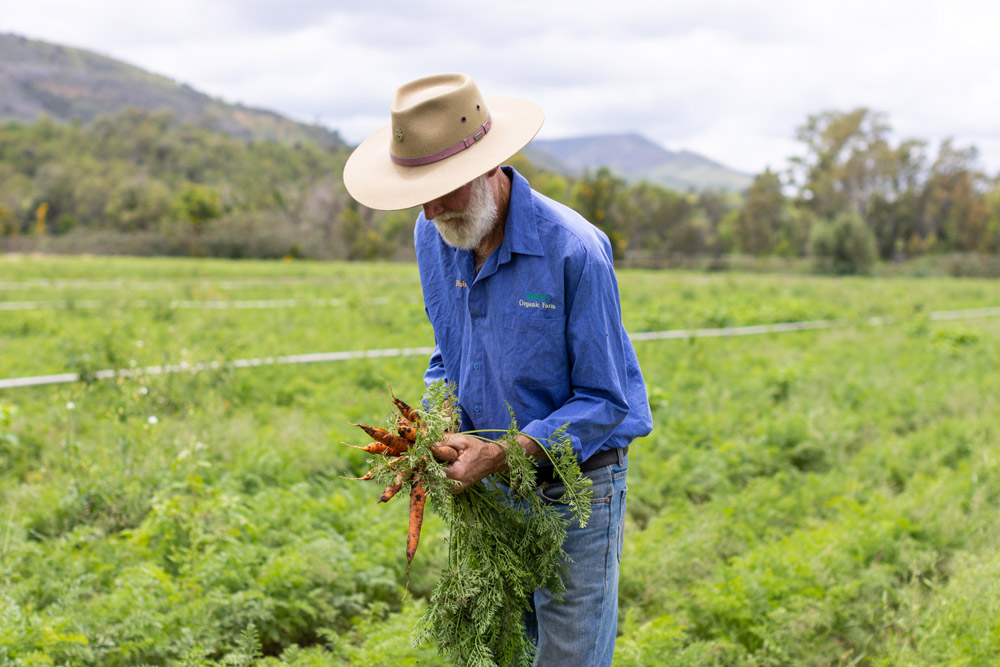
498,455
531,447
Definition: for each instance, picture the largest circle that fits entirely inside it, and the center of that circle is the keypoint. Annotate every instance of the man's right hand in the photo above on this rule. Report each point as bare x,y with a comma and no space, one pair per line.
477,459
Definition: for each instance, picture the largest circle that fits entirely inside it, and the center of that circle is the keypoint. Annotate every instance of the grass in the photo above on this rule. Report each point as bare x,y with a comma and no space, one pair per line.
812,498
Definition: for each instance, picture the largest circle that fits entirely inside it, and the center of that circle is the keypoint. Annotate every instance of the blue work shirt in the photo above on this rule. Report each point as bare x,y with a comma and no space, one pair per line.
539,328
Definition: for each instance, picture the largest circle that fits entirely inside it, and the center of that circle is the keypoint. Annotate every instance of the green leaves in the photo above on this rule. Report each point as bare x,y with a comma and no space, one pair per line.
505,542
803,495
567,466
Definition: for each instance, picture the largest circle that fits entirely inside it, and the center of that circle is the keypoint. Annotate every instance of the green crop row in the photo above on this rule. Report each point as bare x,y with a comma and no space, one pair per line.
88,314
812,498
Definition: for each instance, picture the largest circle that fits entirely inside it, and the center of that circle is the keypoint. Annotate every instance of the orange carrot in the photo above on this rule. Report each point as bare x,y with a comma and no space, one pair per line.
397,442
368,475
404,409
408,432
376,448
444,453
393,488
371,473
418,498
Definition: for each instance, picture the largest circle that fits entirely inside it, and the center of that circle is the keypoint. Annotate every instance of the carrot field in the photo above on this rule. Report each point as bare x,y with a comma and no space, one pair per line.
825,496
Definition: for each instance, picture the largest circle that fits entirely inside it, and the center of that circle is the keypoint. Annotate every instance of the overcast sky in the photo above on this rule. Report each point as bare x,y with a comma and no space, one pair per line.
730,79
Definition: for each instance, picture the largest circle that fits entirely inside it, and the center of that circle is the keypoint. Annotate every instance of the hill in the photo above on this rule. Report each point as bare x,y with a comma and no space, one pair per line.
636,158
68,84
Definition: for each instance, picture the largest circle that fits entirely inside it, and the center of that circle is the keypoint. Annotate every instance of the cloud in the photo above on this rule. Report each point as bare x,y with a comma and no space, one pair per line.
727,78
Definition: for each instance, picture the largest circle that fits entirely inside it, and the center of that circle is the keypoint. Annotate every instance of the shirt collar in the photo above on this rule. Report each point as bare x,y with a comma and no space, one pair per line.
521,233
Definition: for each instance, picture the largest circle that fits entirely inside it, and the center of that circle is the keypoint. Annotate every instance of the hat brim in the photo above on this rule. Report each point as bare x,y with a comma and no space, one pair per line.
373,179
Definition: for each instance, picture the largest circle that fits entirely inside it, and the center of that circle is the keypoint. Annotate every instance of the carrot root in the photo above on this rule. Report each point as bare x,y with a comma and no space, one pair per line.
404,408
409,432
397,442
444,453
376,448
368,475
418,499
393,489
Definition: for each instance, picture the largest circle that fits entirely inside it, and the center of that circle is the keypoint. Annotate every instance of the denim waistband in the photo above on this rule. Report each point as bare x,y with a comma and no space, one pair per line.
605,457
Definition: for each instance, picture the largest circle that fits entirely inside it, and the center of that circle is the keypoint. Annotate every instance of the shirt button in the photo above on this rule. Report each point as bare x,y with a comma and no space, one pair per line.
475,366
478,322
477,408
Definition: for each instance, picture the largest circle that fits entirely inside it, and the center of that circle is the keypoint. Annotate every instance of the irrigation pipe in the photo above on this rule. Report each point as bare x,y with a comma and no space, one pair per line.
179,304
325,357
118,284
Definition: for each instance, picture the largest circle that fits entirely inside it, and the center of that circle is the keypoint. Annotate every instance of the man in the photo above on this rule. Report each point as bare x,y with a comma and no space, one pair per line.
523,299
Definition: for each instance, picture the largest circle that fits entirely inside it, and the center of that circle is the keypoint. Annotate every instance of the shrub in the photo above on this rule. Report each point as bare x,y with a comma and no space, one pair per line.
845,245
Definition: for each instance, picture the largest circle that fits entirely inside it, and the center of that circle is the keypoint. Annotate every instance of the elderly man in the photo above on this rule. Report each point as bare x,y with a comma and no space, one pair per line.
522,295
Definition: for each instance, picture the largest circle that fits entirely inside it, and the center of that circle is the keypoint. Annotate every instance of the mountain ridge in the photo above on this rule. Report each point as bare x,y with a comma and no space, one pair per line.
71,84
636,158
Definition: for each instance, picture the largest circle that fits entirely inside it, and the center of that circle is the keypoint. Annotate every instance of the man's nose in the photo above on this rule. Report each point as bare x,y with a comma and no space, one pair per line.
433,208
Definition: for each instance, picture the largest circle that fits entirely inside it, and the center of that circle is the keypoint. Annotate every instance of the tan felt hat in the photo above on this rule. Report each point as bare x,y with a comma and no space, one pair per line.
443,134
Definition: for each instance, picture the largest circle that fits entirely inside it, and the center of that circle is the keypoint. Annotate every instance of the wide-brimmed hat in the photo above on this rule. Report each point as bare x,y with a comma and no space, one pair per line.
443,134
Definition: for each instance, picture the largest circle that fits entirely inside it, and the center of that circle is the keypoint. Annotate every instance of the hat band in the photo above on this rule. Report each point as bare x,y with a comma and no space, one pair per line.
448,152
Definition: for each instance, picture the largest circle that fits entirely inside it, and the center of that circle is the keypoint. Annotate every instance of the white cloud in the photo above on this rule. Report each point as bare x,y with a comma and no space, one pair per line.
727,78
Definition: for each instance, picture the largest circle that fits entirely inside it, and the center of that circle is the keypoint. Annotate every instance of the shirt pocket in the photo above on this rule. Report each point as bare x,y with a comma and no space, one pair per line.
535,351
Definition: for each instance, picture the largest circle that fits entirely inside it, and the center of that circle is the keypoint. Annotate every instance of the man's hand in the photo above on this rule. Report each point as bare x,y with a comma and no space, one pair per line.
478,459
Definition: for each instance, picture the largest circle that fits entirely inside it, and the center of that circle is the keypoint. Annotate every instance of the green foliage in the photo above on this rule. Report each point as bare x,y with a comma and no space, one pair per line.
167,183
845,154
759,223
772,563
594,197
813,498
368,239
912,208
502,545
197,204
140,182
950,622
843,246
9,442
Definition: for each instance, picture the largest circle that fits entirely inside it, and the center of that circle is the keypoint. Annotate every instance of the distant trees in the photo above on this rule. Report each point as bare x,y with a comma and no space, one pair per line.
645,220
596,198
847,162
658,220
843,245
852,196
204,191
850,167
761,225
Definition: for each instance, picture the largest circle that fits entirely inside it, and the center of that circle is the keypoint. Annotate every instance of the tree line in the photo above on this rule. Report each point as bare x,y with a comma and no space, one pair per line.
851,197
139,181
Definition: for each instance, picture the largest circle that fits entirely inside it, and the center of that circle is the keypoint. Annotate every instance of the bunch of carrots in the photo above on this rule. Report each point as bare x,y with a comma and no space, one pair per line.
392,444
490,564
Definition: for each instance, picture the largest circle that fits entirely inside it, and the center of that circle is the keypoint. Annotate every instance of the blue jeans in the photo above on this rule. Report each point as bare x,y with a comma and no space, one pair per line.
581,631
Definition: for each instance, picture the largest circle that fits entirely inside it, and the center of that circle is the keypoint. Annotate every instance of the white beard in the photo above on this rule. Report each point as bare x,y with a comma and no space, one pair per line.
466,229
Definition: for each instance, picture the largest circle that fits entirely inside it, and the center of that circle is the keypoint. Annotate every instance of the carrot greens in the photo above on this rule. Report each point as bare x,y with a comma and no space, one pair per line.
505,539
